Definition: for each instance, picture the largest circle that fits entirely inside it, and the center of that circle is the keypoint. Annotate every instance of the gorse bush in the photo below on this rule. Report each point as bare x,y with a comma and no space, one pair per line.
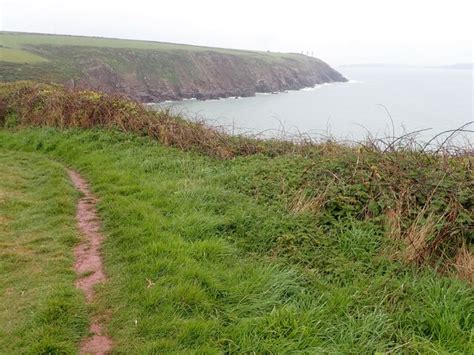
422,200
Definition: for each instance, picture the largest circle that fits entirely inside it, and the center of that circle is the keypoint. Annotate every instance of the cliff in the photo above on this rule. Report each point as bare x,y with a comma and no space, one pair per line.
155,71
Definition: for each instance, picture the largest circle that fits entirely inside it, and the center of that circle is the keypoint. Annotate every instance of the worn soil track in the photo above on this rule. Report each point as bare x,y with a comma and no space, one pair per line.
88,263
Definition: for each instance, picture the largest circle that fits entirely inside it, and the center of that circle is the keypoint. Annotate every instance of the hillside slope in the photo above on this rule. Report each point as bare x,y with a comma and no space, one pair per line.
154,71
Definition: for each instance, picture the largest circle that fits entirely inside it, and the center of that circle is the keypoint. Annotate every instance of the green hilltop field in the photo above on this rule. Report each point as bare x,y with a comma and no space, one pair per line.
22,43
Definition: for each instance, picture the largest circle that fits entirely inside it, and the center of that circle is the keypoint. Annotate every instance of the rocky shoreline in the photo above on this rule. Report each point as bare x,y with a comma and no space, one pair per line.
216,81
214,95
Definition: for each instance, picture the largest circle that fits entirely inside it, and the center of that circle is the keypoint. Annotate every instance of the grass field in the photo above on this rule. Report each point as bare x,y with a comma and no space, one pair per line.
19,56
41,312
16,46
205,256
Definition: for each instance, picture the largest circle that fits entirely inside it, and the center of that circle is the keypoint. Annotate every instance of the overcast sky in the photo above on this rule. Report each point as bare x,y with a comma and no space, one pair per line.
423,32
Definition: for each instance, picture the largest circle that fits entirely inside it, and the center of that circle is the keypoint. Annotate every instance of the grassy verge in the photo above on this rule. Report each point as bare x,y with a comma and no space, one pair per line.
210,256
19,56
40,310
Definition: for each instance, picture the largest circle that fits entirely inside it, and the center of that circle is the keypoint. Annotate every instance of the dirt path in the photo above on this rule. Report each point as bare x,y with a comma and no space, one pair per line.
88,263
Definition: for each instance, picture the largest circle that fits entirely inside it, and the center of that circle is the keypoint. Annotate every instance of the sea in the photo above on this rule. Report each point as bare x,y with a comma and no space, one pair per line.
376,102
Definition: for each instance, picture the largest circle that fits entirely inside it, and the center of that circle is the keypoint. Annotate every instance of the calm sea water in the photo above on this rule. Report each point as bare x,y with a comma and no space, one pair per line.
416,98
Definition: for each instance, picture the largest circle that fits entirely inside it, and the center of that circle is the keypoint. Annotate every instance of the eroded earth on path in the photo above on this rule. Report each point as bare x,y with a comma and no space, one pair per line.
88,263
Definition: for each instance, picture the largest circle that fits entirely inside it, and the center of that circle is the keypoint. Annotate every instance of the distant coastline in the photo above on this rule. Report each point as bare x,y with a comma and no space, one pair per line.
156,71
456,66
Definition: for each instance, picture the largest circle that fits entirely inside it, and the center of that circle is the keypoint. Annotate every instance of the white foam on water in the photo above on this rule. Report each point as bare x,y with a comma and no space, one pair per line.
309,88
313,88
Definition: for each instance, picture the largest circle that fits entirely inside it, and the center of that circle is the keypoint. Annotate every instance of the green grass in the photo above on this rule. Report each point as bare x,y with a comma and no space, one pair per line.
40,310
14,40
19,56
205,256
17,40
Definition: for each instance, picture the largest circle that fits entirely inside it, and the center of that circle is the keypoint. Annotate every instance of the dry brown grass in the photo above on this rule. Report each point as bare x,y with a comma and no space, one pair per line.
416,238
302,202
412,242
393,223
464,264
426,238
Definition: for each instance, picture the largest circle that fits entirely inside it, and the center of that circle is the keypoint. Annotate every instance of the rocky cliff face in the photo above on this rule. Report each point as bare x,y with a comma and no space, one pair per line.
157,75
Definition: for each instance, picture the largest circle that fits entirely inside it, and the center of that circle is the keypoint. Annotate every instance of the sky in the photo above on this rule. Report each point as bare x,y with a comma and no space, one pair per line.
416,32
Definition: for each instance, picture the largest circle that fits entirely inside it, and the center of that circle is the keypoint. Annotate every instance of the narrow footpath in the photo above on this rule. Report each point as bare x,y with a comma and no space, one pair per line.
88,263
